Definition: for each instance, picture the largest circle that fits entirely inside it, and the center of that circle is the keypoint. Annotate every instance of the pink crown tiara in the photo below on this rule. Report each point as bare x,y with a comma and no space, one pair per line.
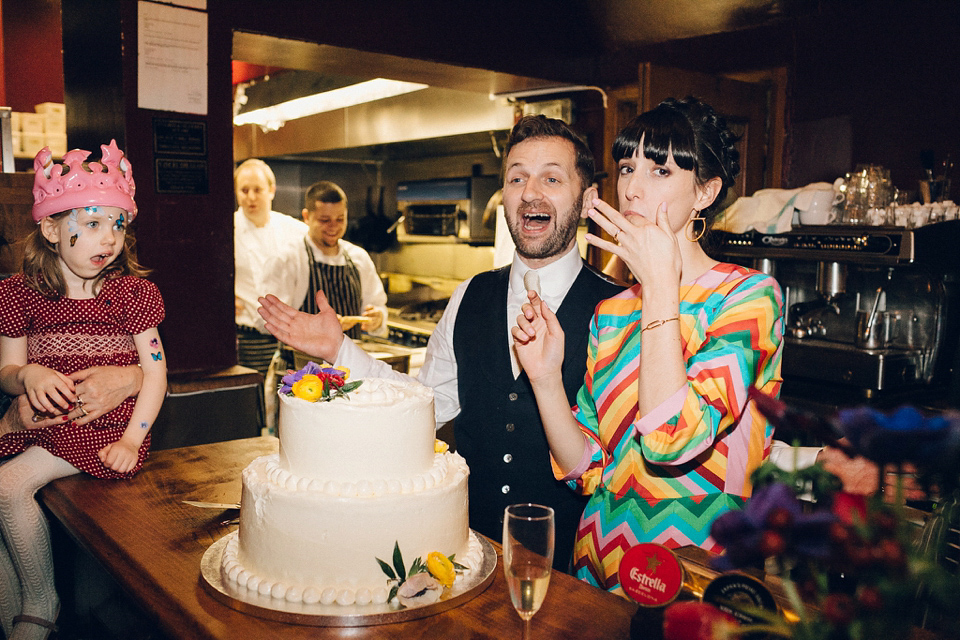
108,183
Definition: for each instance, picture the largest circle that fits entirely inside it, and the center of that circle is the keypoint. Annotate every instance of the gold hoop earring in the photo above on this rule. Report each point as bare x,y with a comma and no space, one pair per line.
703,227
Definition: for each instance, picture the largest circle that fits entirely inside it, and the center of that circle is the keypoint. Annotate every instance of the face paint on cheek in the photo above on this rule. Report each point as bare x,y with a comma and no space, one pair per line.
73,224
73,239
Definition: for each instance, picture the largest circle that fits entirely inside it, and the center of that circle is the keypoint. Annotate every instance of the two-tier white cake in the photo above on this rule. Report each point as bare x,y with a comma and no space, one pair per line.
355,477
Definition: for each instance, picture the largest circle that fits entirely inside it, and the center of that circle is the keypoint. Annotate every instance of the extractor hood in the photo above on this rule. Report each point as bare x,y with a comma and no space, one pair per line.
430,114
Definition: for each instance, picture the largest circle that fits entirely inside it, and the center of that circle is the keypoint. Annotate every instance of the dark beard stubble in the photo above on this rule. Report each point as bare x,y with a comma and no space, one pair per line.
563,232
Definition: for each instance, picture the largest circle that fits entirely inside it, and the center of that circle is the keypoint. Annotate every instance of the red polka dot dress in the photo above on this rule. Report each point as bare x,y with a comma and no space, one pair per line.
68,335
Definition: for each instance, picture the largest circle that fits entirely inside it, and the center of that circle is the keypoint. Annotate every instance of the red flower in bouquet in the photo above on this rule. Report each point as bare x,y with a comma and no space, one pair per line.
691,620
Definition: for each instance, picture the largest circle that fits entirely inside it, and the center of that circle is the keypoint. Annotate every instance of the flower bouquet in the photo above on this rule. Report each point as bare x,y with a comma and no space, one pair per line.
314,383
853,567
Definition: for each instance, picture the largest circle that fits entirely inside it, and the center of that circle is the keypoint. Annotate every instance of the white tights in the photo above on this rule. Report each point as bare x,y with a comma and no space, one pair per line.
26,560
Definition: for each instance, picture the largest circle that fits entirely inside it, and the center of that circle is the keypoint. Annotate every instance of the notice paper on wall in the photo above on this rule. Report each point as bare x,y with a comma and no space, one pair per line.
172,65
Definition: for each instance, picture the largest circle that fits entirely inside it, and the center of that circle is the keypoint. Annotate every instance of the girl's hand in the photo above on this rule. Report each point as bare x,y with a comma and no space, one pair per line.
48,391
120,456
538,339
649,249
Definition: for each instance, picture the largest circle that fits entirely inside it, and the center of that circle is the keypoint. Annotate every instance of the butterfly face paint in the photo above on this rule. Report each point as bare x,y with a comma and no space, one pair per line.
73,226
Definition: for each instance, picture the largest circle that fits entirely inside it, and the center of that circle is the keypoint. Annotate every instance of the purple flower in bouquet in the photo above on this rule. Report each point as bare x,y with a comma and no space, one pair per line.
772,523
287,381
905,435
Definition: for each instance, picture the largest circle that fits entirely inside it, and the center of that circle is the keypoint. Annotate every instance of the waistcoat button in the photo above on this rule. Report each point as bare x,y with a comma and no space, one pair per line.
505,488
513,397
510,427
508,458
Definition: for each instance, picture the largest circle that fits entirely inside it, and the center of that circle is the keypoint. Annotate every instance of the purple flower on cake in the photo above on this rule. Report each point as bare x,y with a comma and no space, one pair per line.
287,381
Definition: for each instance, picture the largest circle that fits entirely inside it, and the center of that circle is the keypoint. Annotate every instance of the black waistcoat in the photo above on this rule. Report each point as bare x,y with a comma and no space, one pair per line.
498,430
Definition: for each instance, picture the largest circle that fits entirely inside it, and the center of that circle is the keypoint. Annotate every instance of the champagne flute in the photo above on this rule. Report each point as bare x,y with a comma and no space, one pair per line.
527,557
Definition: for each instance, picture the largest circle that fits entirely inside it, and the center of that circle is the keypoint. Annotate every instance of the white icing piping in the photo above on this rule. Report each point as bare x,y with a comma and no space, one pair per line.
231,569
443,464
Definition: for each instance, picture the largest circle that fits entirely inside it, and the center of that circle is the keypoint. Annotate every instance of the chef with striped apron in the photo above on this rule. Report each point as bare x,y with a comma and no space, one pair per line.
342,270
341,285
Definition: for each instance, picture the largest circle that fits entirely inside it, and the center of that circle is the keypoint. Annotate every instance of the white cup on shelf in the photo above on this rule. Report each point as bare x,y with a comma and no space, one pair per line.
817,206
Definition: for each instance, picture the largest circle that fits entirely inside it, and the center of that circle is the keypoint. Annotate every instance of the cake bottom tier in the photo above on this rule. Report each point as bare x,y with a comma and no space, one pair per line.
304,541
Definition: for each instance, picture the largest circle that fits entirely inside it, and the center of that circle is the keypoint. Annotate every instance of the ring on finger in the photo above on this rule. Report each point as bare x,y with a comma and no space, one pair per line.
36,417
79,401
83,412
616,236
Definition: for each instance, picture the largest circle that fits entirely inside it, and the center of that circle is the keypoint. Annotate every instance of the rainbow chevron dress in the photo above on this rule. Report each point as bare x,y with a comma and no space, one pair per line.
665,476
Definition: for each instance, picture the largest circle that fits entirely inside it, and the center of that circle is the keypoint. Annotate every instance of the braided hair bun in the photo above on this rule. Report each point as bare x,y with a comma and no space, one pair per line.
695,134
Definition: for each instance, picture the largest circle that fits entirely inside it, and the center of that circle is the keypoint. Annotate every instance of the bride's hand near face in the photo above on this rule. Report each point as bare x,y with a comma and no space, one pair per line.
649,249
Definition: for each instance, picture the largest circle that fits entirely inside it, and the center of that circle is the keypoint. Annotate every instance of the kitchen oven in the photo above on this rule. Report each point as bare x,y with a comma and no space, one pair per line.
447,210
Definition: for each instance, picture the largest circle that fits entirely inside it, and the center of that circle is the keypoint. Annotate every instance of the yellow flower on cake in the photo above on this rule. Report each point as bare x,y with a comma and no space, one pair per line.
441,568
309,388
439,446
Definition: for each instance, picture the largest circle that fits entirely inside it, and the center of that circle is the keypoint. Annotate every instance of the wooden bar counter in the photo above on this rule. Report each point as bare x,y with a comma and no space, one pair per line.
153,544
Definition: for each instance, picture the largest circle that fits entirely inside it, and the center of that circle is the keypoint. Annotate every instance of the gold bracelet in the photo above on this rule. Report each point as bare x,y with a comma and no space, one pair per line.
659,323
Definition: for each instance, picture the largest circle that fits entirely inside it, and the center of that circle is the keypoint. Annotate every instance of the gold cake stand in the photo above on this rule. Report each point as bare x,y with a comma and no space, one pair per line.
335,615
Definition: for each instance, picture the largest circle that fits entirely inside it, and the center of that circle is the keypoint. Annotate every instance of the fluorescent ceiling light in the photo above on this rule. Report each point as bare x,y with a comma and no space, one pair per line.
377,89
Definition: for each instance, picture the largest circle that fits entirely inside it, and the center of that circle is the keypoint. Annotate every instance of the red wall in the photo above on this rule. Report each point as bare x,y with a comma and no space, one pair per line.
32,65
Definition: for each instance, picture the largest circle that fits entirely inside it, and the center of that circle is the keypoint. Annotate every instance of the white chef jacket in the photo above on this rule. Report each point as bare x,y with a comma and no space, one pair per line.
371,287
439,369
268,259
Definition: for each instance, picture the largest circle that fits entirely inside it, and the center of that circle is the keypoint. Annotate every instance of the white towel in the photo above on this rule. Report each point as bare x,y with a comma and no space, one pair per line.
767,210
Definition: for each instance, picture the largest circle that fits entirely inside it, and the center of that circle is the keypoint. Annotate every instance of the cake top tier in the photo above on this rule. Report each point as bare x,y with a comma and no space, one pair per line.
379,429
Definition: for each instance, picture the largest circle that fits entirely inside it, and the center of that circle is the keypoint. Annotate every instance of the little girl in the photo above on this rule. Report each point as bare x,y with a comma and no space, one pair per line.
78,303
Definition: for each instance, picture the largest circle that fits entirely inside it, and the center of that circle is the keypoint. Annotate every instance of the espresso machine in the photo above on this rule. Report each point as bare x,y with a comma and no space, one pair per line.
872,313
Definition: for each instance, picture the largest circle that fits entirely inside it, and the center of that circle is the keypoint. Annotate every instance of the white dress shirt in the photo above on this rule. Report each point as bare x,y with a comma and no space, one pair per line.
268,259
439,369
371,287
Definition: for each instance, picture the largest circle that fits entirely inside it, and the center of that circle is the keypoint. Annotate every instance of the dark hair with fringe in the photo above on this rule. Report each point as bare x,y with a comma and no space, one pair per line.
697,137
539,126
41,264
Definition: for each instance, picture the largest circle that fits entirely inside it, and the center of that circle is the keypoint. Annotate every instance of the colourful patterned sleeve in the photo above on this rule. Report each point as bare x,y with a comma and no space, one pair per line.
739,348
586,477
